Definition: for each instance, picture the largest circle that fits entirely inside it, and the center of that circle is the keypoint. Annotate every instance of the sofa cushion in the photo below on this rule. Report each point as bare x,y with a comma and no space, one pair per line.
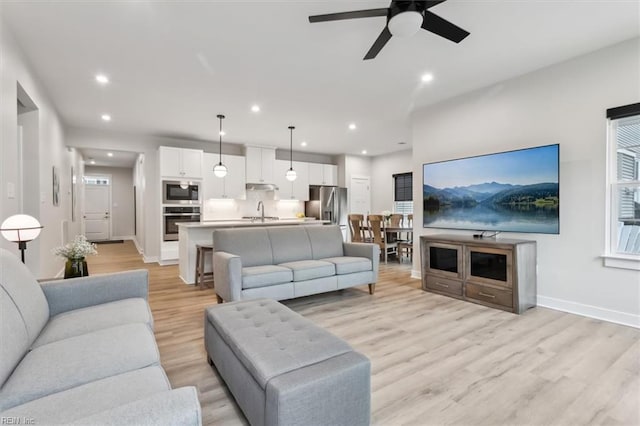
262,276
251,244
75,361
14,341
93,318
310,269
93,397
270,339
326,241
349,265
289,244
24,290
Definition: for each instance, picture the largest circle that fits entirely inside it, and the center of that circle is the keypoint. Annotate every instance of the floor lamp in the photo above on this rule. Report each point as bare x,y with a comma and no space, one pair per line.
21,228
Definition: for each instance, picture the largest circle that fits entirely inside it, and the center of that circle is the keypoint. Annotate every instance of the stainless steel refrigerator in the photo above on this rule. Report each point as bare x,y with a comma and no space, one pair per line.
328,203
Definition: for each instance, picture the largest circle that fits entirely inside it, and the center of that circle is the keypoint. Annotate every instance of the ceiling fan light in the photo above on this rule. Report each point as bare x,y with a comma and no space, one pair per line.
291,175
405,24
220,170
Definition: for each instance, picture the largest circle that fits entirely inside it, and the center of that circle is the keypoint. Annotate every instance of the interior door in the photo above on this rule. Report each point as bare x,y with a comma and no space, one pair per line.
360,195
97,212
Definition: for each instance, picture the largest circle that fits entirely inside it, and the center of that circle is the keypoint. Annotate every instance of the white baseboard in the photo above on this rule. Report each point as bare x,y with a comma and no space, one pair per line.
149,259
168,262
135,243
590,311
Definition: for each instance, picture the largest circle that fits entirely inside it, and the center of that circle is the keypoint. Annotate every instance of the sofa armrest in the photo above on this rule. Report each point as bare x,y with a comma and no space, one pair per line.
173,407
368,250
227,275
76,293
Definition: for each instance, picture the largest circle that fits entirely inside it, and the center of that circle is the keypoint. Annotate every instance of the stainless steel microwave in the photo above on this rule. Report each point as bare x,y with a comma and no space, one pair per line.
175,192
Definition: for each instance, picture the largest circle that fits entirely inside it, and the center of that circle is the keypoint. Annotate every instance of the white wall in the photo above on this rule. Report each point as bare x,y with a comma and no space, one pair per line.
383,167
122,203
564,104
50,140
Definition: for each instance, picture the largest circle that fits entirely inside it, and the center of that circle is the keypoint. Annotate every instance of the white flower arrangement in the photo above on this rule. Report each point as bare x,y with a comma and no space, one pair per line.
77,249
386,214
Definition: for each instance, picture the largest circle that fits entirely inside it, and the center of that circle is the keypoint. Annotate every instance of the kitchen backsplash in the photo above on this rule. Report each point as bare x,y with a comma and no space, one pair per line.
236,209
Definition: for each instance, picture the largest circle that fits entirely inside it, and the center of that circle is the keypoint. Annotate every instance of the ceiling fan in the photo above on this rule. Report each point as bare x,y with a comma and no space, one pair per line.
404,19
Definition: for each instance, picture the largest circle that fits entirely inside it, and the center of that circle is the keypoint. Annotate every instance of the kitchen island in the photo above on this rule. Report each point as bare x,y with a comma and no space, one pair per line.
192,233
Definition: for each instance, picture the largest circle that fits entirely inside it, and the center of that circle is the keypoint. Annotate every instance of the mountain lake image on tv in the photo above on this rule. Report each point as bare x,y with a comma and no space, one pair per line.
514,191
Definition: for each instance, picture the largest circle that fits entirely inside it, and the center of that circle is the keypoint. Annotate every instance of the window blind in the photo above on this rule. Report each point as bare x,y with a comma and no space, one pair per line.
403,187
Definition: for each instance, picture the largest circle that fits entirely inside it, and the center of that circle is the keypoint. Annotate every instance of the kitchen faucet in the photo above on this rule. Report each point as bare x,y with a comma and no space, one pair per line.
261,204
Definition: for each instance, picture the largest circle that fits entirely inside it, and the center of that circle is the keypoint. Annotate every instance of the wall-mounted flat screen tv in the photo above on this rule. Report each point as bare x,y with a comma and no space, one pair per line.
514,191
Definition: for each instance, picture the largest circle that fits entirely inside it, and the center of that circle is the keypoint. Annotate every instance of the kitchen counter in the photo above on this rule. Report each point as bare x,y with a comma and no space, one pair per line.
238,223
192,233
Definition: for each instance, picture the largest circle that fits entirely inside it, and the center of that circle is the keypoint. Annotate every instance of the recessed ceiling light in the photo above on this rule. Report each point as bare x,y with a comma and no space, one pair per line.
402,143
109,154
255,108
92,161
364,152
106,117
222,133
352,126
426,78
102,79
303,143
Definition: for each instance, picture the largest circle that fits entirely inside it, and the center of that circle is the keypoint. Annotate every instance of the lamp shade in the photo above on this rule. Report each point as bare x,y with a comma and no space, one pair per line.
220,170
405,24
291,175
20,228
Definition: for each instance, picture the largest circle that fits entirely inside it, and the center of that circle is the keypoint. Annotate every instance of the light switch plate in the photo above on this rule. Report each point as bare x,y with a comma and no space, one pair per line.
11,190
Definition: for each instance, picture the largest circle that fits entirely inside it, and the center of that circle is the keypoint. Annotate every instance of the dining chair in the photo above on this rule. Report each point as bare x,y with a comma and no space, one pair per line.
406,246
379,236
355,227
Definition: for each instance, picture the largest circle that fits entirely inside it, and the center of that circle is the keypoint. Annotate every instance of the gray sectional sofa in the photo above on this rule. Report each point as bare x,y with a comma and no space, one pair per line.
289,261
82,351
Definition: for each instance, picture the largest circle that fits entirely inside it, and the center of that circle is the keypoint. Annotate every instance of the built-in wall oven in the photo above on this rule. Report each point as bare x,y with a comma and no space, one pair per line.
175,192
173,215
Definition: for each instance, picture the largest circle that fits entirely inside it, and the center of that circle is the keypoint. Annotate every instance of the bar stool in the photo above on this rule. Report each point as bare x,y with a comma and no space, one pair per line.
202,250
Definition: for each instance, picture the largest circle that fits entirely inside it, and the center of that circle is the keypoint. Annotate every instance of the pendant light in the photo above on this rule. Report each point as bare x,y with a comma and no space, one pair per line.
291,174
220,170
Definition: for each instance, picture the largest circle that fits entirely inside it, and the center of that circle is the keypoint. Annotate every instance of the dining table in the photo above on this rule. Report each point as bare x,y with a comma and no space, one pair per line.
389,231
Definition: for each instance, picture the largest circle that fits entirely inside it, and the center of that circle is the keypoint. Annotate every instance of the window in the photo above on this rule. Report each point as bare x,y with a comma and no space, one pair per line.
403,193
623,187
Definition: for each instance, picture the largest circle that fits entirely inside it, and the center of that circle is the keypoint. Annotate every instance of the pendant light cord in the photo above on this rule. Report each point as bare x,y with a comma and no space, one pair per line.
220,116
291,147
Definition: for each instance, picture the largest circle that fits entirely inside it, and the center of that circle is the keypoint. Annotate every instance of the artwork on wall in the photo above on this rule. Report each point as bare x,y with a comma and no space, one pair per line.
73,195
56,187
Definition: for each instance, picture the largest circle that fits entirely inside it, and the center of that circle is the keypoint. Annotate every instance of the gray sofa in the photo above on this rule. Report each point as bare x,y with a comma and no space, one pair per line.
82,351
289,261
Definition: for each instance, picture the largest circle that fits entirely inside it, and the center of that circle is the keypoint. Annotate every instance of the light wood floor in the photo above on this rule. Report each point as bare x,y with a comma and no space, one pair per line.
435,360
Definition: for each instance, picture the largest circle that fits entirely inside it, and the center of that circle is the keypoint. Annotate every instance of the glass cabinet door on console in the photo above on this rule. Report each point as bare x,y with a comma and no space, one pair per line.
444,260
485,265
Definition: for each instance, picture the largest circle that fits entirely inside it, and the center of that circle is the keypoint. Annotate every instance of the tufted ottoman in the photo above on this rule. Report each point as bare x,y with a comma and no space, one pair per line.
284,370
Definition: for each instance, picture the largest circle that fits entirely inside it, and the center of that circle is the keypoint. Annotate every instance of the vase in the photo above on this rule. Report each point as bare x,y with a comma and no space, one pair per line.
74,268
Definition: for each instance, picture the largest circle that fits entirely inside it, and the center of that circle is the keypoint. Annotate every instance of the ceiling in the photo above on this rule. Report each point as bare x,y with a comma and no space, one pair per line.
174,65
101,158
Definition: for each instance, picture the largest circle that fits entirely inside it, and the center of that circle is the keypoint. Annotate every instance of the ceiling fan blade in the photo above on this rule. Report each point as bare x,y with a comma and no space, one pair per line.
443,28
382,39
369,13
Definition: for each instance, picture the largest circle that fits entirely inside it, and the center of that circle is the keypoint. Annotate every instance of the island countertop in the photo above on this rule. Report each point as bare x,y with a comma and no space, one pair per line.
237,223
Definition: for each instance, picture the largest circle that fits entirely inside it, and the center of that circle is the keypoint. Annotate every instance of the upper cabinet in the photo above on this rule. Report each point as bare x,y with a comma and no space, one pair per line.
232,186
180,163
296,190
323,174
260,162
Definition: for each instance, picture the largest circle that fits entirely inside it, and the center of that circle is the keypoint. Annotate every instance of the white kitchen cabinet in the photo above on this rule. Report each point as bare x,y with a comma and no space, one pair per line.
323,174
180,163
232,186
260,162
296,190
